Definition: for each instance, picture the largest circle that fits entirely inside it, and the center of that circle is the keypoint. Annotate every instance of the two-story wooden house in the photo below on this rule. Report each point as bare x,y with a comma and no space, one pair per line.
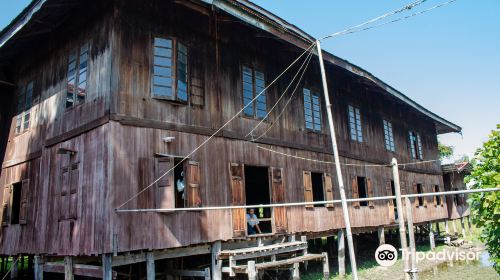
107,96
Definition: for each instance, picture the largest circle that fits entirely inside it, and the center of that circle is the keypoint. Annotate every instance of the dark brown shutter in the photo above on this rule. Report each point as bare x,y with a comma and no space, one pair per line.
165,194
415,191
327,182
278,196
73,191
193,184
308,191
6,205
64,193
23,210
369,188
197,77
236,173
354,190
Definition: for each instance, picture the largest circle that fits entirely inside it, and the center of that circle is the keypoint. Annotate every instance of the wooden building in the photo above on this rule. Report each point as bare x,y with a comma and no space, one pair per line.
109,95
454,180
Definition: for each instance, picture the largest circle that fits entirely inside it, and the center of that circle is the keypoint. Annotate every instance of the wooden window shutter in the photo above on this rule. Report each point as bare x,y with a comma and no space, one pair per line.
237,181
73,191
193,184
63,194
278,196
197,77
23,210
388,189
6,205
327,182
308,190
415,191
369,190
165,191
354,190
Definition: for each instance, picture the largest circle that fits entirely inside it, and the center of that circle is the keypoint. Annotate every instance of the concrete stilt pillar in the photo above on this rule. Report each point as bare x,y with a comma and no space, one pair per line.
107,270
469,225
463,227
341,252
381,236
296,272
68,268
454,224
252,272
447,231
38,267
150,266
216,264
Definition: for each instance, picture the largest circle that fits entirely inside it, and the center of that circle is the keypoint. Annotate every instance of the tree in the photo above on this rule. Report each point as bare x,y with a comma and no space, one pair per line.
485,207
445,151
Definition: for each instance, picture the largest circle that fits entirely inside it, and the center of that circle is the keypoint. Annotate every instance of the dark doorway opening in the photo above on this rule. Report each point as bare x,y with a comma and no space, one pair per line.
362,190
257,191
393,190
16,203
180,183
318,188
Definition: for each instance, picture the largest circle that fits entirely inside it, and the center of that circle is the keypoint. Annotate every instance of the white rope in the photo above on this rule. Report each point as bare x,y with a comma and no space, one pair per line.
286,104
306,60
303,203
344,164
217,131
11,266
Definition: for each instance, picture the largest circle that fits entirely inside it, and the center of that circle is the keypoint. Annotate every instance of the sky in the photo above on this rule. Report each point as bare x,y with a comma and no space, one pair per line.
447,60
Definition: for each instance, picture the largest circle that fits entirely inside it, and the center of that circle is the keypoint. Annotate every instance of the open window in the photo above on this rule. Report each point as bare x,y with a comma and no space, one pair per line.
362,187
15,203
438,200
415,143
258,191
179,184
391,191
419,201
317,187
77,76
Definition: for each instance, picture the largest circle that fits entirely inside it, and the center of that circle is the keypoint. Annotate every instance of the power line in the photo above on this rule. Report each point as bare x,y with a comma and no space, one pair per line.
353,30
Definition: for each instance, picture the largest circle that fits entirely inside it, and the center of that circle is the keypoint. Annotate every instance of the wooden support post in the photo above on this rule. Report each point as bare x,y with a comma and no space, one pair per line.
401,221
341,252
469,224
232,263
38,268
431,237
326,267
216,264
411,234
304,252
381,236
68,268
296,271
454,224
463,227
251,271
14,272
207,274
107,269
150,266
291,238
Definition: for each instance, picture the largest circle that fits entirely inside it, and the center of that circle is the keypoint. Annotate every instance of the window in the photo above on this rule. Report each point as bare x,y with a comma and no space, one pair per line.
415,145
312,110
77,76
420,201
361,187
166,84
437,199
389,136
24,103
318,187
355,124
253,85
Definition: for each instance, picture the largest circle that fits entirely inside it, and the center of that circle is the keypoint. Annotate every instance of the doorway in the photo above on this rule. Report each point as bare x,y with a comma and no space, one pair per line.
257,191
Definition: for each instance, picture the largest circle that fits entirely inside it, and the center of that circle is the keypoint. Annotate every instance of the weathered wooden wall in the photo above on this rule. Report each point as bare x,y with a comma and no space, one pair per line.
455,181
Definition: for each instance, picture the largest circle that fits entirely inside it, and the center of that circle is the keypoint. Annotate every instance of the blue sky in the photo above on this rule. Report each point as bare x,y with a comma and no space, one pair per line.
448,60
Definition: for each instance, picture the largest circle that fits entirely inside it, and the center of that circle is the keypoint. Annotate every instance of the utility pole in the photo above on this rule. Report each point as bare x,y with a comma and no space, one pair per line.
352,257
402,230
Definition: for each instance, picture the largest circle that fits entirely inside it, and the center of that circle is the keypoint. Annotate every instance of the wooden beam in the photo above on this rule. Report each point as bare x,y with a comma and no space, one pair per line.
341,252
252,272
381,235
150,266
68,268
191,273
216,264
38,269
160,255
107,265
79,270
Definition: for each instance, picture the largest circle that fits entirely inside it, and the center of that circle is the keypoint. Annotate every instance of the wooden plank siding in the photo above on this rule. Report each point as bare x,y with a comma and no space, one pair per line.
119,129
457,204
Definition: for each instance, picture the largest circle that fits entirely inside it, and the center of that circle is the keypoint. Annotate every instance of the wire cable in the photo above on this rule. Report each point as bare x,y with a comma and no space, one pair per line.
217,131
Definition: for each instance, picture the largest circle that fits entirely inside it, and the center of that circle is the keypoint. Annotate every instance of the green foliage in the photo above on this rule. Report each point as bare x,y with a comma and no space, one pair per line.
445,151
486,206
